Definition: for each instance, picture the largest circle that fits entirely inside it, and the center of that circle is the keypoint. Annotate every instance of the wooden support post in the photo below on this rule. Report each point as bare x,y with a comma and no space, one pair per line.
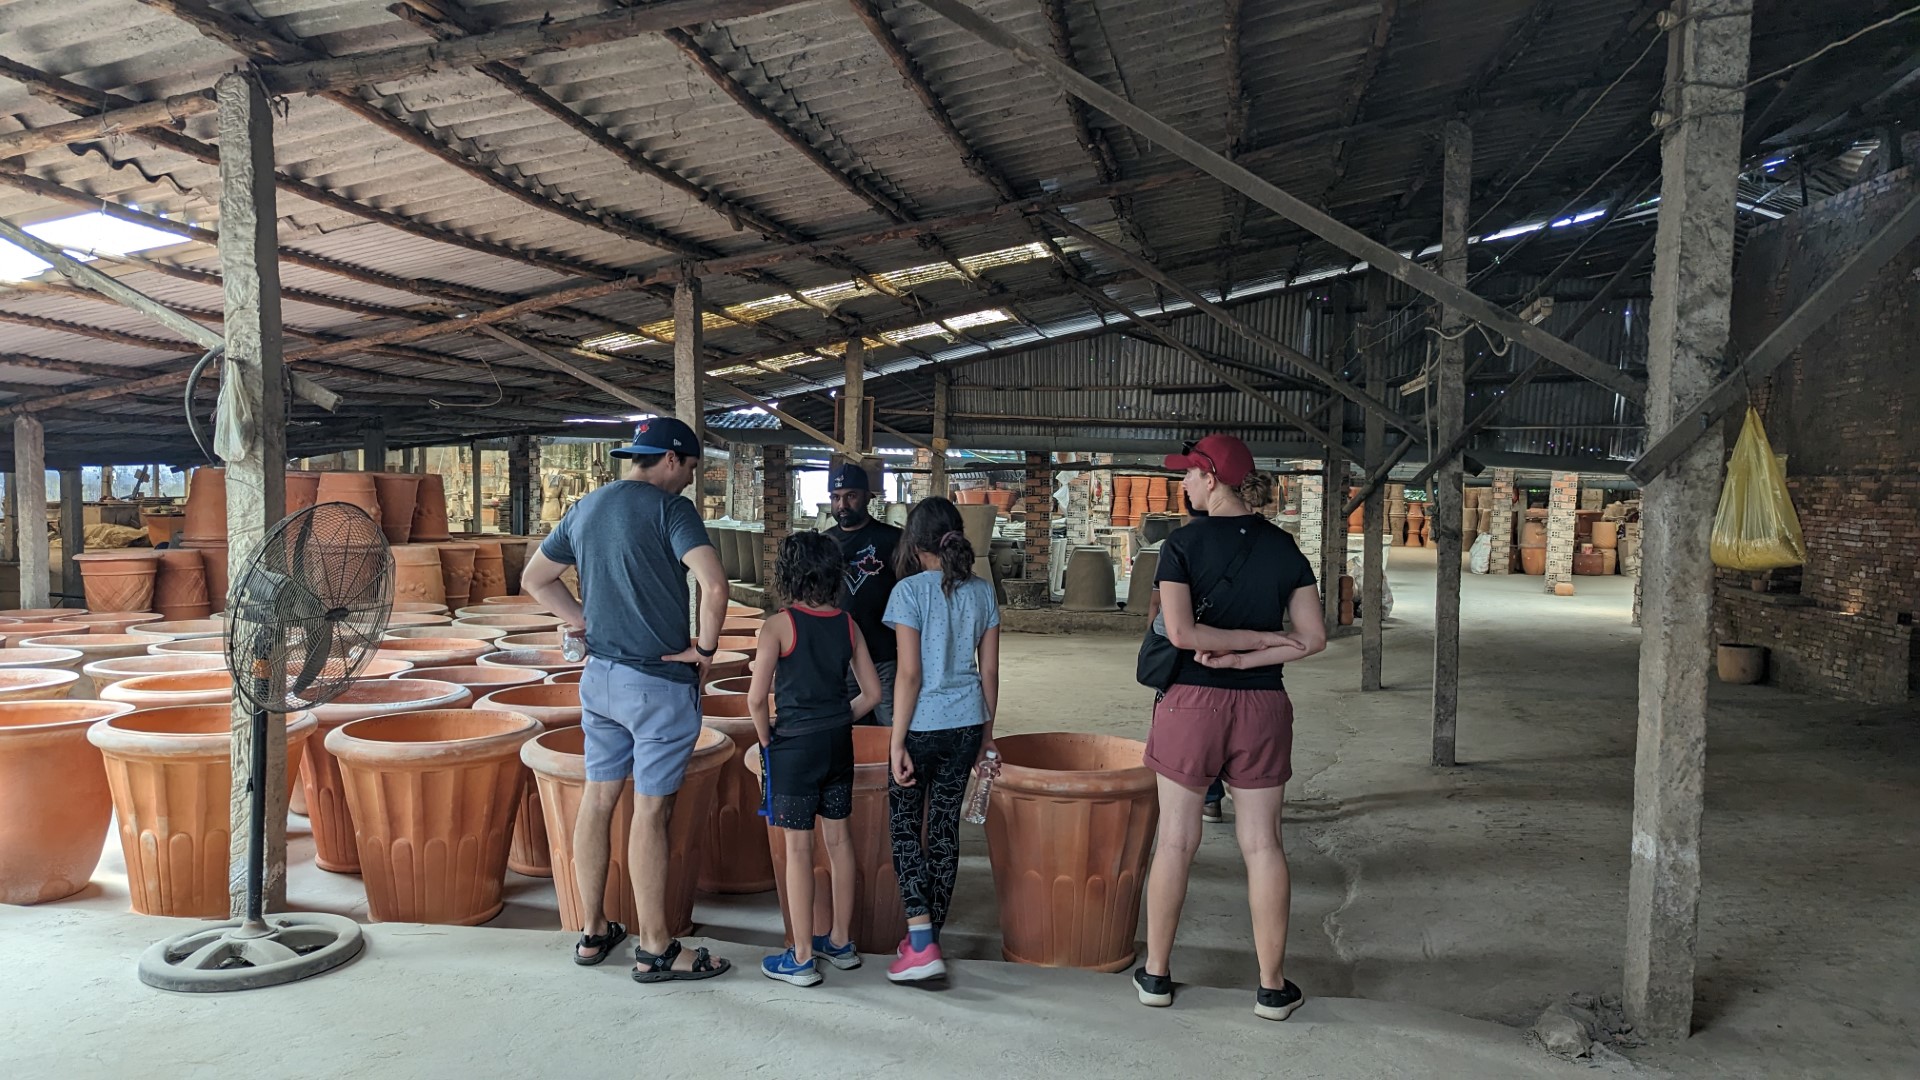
1448,412
1333,526
942,398
1372,571
255,482
853,402
520,482
689,355
73,534
30,507
373,447
1687,333
477,496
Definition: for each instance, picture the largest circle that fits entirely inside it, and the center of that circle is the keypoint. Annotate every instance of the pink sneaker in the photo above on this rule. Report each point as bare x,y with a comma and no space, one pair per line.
912,966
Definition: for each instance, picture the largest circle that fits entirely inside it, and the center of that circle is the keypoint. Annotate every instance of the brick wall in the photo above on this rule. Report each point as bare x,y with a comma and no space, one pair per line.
1037,504
1312,510
776,506
1500,557
1564,496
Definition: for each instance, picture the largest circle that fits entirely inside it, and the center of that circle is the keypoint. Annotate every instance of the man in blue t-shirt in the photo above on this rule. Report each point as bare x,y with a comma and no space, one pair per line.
633,542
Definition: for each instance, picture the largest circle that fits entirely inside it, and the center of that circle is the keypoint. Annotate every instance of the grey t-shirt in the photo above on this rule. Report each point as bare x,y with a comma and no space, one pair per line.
628,541
950,631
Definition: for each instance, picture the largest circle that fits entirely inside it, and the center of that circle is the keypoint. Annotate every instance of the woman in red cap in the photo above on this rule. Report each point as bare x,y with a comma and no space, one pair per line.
1228,583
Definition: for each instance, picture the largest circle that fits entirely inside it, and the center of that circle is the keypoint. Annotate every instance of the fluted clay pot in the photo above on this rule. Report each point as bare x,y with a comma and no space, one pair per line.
105,673
13,659
879,920
738,860
179,629
355,488
36,684
1069,830
324,794
416,575
417,607
559,768
397,492
456,572
198,646
555,705
489,570
479,681
512,624
445,630
171,782
206,517
434,651
161,526
91,647
108,622
546,639
180,585
54,801
547,660
432,795
399,619
734,684
120,580
214,554
172,688
430,510
303,490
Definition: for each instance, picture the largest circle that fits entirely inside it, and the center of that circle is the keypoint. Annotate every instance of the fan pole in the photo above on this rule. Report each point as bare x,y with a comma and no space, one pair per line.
257,828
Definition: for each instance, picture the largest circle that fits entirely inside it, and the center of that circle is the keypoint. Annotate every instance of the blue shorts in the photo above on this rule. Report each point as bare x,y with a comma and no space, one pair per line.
637,725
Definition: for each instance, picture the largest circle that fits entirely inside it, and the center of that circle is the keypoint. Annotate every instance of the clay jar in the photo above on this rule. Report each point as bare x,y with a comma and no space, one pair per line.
36,684
118,580
430,510
91,647
559,769
172,688
180,585
489,570
547,660
879,920
168,769
1533,561
434,651
334,847
416,575
1069,831
206,506
397,493
555,706
738,860
108,622
1734,663
456,572
303,490
54,802
432,795
355,488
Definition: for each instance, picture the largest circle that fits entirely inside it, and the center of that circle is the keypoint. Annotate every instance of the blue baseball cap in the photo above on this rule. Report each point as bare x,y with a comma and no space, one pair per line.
849,477
661,435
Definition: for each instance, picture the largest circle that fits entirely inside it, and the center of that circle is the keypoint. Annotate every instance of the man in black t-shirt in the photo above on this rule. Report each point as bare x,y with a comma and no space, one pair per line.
867,548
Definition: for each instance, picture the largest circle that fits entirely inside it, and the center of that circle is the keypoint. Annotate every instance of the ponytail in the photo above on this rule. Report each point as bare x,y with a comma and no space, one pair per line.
956,561
934,527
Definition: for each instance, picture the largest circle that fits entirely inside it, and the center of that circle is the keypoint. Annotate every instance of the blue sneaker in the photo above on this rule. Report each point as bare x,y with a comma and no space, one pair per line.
845,957
786,969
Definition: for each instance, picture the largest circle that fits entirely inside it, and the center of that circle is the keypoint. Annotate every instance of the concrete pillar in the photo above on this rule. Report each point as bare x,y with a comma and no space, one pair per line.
1448,415
942,391
1562,500
255,482
1038,505
478,497
73,534
776,506
1333,537
1500,557
30,507
1373,572
1687,336
521,510
689,339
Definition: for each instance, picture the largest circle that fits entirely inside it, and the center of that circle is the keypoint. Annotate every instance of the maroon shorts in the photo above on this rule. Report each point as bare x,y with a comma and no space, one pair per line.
1200,732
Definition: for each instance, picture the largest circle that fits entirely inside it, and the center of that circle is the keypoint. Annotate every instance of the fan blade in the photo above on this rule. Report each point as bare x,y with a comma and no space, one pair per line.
317,657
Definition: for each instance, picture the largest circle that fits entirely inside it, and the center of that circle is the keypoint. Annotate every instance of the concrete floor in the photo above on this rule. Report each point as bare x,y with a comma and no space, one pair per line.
1490,890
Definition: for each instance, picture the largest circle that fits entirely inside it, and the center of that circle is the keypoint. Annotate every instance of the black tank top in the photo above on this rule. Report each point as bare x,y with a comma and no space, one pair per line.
810,683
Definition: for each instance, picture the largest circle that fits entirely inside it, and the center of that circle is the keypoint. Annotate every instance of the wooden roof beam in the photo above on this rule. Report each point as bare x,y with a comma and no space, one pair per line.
1355,105
1092,141
1235,204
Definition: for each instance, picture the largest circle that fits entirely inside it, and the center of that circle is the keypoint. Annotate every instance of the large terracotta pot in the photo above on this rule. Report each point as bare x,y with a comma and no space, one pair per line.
214,554
416,575
1533,560
107,622
206,507
735,684
547,660
560,771
456,572
1740,664
36,684
381,667
555,706
737,857
432,795
180,585
31,657
1533,534
40,614
499,606
303,490
188,646
54,801
399,619
119,580
434,651
417,607
737,643
161,525
105,673
19,633
1069,831
512,624
171,782
563,677
397,492
549,639
741,611
179,629
91,647
480,681
355,488
742,627
430,510
172,688
489,570
324,794
445,630
879,920
727,664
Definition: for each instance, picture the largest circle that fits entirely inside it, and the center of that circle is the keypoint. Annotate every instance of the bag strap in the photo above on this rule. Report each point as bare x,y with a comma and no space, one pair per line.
1233,571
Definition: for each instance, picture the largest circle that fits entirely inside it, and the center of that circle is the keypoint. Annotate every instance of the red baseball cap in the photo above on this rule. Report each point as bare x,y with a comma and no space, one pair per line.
1222,455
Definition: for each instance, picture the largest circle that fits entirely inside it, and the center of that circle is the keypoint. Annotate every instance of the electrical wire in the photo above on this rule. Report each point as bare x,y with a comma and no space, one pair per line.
1829,47
193,382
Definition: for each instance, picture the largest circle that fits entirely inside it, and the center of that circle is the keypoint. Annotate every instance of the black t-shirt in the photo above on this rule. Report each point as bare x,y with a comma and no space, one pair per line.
868,552
1197,555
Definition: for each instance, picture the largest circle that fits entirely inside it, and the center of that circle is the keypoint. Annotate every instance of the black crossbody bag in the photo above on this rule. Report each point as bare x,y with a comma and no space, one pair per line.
1159,662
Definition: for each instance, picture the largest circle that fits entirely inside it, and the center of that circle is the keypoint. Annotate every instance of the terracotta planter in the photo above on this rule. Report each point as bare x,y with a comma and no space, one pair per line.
489,570
303,490
180,585
1533,560
1533,534
54,803
558,766
549,639
430,510
738,860
206,517
383,668
741,611
416,575
105,673
36,684
879,920
168,769
179,630
737,643
108,622
563,677
511,624
432,796
180,646
555,706
480,681
1589,563
433,651
40,614
456,572
727,664
445,630
13,659
735,684
742,627
161,527
173,688
324,793
399,619
1606,535
513,555
547,660
118,580
397,492
499,606
355,488
1740,664
416,607
91,647
19,633
214,554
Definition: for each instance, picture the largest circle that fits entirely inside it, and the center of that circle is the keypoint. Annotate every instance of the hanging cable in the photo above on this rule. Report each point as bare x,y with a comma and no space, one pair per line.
193,382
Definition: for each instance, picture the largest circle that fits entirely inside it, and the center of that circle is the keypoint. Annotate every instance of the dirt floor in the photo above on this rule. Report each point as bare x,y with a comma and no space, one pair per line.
1498,887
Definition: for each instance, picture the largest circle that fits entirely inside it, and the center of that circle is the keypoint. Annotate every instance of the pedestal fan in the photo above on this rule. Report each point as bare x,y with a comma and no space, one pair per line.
306,615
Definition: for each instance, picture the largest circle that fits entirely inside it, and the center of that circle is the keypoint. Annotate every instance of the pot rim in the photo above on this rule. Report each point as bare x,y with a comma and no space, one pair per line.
51,678
117,554
93,712
443,699
102,641
524,658
1025,779
488,701
443,632
105,668
10,657
129,617
710,751
152,629
114,739
514,728
159,648
532,679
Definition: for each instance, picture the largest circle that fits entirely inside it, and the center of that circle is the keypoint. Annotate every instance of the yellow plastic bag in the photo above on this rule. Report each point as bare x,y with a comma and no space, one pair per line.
1756,527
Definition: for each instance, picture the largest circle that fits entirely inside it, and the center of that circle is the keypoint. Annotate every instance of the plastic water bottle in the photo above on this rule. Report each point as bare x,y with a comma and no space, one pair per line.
980,790
573,645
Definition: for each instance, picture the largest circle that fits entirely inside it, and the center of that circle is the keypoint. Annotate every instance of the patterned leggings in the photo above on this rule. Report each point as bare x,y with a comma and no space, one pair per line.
942,763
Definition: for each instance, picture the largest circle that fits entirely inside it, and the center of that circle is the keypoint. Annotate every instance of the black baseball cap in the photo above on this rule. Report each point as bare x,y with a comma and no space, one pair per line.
661,435
849,477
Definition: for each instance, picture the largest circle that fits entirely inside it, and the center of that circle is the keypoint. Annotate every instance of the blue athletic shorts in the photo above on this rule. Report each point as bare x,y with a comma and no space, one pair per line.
637,725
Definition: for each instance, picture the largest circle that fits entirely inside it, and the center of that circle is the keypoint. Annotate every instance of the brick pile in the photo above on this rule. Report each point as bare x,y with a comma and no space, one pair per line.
1037,504
1561,503
1500,557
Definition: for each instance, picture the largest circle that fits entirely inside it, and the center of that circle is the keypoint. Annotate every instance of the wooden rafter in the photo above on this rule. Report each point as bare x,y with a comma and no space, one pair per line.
1353,108
1092,140
1238,106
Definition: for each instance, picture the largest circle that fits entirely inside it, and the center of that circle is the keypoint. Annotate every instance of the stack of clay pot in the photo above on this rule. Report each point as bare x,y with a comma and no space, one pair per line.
119,580
1533,543
1124,513
55,805
1346,600
205,529
1356,521
180,585
334,845
1157,496
555,705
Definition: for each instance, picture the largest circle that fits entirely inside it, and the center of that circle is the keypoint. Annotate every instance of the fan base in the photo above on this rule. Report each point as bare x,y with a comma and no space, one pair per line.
238,955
